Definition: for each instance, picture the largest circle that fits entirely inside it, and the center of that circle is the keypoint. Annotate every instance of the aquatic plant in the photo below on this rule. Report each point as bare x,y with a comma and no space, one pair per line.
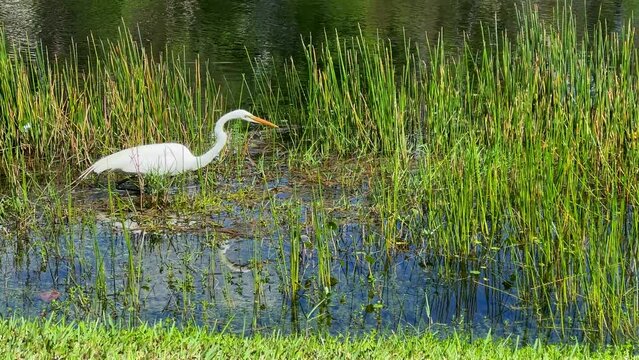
522,151
67,112
527,143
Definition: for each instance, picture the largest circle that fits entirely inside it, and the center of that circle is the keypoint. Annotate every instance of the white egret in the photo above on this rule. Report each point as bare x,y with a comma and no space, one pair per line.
168,158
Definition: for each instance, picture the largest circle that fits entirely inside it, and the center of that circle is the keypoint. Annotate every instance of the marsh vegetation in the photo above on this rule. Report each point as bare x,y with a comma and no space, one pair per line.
491,190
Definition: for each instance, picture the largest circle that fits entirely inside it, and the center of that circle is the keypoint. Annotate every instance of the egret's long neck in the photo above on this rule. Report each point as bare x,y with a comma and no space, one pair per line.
220,141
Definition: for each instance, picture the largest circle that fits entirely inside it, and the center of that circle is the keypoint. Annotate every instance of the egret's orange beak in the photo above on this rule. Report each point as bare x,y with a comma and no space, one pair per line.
262,121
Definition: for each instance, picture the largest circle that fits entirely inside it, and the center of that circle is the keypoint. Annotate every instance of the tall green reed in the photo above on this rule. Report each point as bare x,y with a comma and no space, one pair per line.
527,145
323,233
348,98
66,113
527,142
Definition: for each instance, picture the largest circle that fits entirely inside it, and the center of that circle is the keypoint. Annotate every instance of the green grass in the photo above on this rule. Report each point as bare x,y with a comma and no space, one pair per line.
529,146
60,115
526,148
48,339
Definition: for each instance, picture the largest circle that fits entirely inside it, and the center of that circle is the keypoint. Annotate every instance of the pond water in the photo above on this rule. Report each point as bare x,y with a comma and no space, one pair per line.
226,33
230,270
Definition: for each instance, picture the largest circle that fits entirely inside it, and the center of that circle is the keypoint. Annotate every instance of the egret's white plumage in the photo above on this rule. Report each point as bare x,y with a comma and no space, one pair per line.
168,158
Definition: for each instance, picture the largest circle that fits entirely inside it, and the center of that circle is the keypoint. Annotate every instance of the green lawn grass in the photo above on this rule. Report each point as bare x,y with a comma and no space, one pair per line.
20,338
523,150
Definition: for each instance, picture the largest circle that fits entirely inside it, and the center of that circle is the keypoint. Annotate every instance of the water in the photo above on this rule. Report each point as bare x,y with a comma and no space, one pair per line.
228,269
226,33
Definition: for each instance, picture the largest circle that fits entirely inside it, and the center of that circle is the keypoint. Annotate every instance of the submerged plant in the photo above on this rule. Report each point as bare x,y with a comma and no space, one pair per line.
517,151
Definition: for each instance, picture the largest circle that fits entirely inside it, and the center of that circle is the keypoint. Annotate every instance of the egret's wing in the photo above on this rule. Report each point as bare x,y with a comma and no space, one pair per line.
168,158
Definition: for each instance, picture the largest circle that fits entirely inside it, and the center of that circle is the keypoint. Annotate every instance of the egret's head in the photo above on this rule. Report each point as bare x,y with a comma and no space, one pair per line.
247,116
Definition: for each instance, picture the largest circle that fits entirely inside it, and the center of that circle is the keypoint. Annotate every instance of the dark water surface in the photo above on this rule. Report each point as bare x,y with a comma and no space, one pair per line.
193,276
233,276
225,32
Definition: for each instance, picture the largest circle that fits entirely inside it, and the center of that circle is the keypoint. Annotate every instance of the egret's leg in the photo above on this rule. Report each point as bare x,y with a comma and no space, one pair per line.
141,184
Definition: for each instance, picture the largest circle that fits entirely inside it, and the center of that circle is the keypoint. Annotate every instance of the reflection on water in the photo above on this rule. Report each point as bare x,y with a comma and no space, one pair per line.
232,273
235,273
222,32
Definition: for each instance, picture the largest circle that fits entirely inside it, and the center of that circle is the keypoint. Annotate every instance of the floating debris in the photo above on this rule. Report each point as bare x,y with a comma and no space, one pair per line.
49,295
